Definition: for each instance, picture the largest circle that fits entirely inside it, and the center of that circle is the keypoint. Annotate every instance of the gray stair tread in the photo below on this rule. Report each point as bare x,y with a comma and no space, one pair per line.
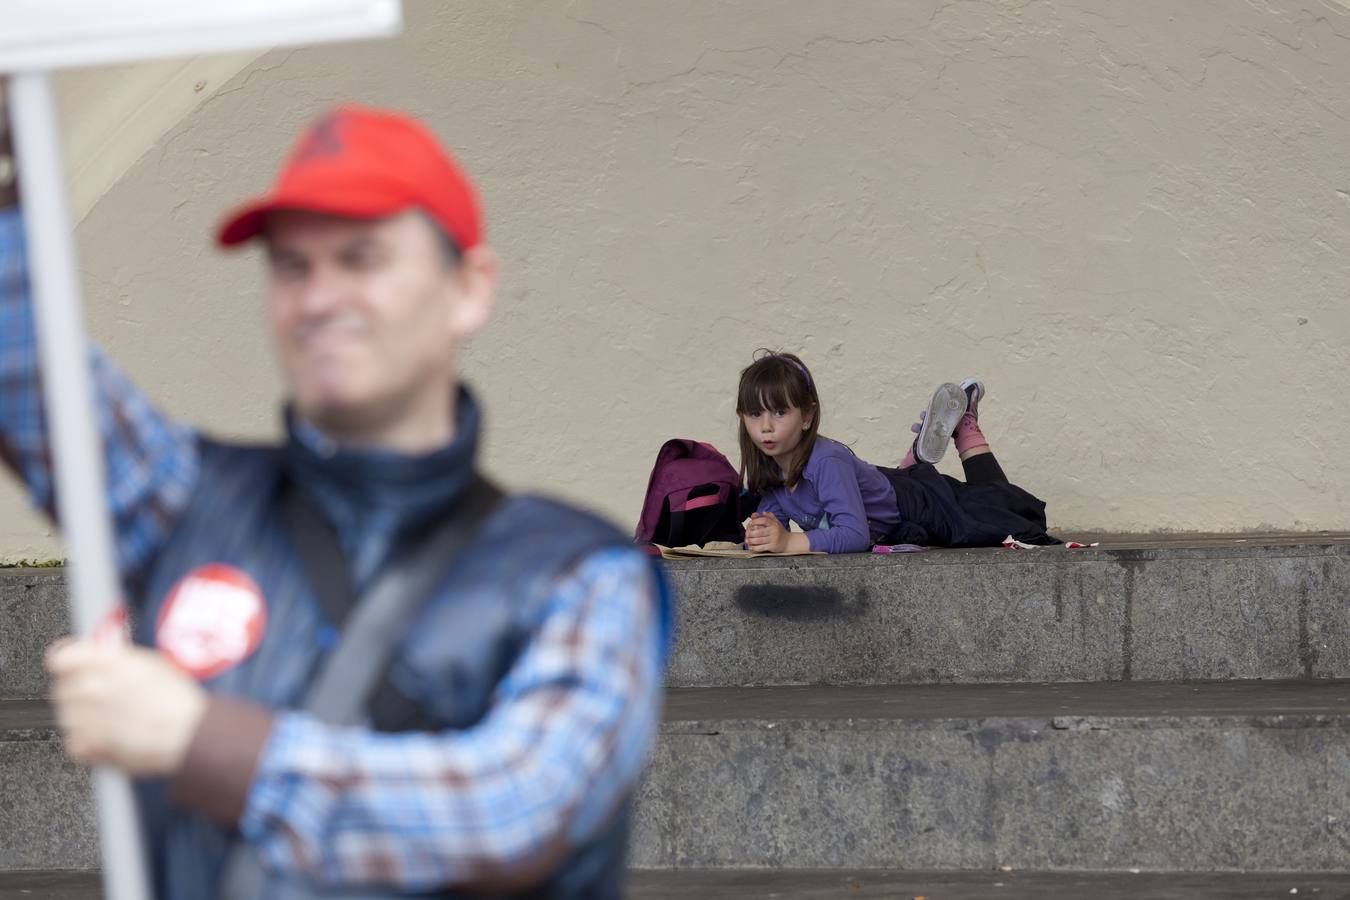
865,885
875,884
1199,540
26,720
1150,545
51,885
1253,700
1143,701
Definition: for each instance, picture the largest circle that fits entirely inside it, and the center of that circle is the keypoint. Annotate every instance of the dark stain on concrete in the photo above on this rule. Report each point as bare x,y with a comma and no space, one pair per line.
1130,563
1307,653
1061,576
805,603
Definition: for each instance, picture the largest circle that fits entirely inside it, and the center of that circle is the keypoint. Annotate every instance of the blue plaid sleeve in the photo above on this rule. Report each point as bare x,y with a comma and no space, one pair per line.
563,745
151,462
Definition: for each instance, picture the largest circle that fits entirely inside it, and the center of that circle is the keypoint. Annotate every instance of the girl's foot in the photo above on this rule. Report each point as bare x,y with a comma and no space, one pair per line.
967,433
938,423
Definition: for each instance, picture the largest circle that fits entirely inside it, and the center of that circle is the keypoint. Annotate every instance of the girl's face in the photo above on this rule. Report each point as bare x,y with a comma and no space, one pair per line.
777,432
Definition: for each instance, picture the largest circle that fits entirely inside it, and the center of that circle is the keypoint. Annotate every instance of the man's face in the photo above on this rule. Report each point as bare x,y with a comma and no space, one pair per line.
366,315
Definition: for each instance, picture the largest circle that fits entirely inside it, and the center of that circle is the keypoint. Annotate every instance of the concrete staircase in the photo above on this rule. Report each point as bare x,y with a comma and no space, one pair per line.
46,818
1161,719
1153,718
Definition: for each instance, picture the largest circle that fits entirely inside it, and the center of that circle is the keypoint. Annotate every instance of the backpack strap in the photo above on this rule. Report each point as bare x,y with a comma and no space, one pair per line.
354,681
372,625
321,556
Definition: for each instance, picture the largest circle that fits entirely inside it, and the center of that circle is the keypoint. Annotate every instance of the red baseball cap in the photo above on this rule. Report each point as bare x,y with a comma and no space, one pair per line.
366,163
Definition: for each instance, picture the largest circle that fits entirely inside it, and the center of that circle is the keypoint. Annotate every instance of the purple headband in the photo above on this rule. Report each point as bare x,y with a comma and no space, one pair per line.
800,368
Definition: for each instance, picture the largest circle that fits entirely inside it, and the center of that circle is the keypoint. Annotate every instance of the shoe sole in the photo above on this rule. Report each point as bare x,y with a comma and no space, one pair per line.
945,410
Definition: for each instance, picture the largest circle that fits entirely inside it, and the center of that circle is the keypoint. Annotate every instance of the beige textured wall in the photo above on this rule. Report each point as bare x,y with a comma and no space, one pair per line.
1132,218
112,115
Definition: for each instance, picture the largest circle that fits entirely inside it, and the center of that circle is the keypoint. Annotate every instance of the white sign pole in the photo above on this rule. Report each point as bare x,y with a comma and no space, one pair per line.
68,393
42,36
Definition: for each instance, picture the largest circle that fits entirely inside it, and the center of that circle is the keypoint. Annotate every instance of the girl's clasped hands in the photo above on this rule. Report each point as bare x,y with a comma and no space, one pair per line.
765,534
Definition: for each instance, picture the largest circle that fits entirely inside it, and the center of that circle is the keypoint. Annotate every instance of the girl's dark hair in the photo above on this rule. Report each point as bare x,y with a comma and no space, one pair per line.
775,381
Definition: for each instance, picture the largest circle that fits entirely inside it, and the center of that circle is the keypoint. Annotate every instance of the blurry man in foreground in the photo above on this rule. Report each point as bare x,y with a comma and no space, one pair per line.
498,659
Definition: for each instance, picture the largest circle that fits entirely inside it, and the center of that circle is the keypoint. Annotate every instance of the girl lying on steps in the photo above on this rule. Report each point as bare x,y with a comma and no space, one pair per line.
845,505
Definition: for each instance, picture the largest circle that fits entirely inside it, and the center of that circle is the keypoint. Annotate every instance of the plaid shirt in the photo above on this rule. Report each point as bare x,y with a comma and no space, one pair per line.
563,743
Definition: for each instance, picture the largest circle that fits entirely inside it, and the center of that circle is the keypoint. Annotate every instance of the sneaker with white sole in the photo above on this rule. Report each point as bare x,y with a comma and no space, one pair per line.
945,409
974,389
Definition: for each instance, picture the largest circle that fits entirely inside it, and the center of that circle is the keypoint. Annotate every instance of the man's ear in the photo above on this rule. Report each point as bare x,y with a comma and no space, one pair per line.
477,277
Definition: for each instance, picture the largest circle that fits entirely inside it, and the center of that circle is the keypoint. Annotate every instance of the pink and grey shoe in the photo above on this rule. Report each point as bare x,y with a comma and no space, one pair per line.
974,389
967,433
937,424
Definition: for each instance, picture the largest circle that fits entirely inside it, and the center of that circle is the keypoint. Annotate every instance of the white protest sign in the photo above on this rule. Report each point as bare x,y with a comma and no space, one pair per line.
37,37
42,35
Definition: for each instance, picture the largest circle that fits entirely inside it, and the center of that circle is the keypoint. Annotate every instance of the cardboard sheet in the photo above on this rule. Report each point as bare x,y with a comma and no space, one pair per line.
719,550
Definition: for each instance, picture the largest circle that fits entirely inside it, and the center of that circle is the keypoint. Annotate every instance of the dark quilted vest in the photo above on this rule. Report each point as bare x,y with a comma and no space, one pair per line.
462,644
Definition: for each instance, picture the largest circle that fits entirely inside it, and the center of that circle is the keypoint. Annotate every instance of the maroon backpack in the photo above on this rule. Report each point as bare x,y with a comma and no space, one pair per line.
694,496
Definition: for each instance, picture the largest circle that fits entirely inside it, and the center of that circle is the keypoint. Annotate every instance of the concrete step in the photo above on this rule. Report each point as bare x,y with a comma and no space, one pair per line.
1238,776
866,885
46,814
1229,776
1156,610
1235,776
872,884
1173,609
49,885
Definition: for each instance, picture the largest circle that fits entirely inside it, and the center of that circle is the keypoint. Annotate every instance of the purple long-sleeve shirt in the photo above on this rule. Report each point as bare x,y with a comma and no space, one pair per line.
842,502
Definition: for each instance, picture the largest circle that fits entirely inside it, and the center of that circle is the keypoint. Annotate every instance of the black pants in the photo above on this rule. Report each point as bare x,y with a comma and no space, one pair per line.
981,511
983,469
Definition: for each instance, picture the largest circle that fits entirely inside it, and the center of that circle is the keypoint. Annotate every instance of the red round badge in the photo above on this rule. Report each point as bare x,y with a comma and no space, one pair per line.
212,621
